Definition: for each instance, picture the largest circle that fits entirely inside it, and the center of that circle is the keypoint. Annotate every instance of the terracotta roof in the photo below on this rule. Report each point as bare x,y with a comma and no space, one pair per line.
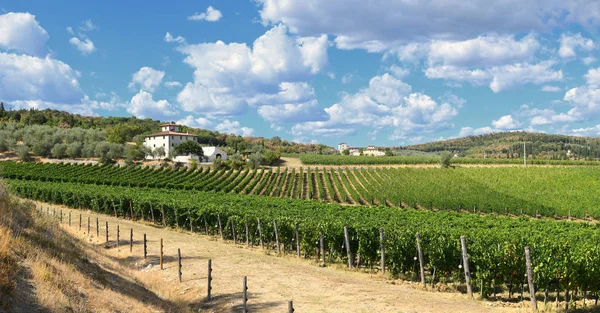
170,133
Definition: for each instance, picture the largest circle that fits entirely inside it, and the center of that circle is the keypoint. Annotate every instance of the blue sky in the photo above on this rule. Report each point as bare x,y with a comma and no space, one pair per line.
363,72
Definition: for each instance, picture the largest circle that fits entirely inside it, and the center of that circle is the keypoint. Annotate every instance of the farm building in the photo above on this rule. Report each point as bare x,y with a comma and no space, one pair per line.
170,137
370,150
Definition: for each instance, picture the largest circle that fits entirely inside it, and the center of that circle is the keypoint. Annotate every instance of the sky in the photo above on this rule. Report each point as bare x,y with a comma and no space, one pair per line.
383,72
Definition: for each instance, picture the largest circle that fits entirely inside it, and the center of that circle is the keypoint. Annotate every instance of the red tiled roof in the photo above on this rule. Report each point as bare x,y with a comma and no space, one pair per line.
170,133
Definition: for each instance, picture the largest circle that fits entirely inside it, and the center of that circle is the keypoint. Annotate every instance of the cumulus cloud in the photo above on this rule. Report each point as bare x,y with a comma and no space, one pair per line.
22,32
85,47
170,38
147,78
211,15
548,88
199,122
470,131
506,122
570,43
142,105
347,78
172,84
228,78
233,127
358,24
386,103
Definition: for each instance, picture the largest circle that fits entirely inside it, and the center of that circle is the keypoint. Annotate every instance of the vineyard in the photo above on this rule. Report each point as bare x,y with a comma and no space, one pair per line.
318,159
554,191
565,255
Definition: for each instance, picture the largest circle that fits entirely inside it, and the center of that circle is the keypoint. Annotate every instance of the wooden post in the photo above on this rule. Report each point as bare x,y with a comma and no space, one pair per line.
290,306
233,231
131,210
297,241
79,221
208,296
530,279
421,261
69,219
245,295
152,213
322,246
162,209
190,219
465,256
145,247
97,229
106,234
61,217
118,235
277,237
220,228
161,253
247,235
347,242
260,236
179,263
205,224
131,240
88,232
382,241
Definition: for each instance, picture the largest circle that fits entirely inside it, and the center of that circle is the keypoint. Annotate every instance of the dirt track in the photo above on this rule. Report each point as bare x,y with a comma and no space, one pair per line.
272,281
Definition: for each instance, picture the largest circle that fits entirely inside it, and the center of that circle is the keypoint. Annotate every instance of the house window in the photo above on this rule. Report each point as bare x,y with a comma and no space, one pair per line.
180,138
154,146
163,137
171,145
171,137
163,144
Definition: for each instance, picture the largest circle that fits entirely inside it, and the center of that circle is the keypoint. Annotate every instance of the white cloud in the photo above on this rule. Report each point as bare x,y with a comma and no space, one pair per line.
294,103
211,15
21,32
548,88
372,26
470,131
347,78
386,103
172,84
170,38
331,75
147,78
142,105
30,78
399,72
483,51
506,122
199,122
85,47
588,60
230,77
587,131
233,127
87,26
570,43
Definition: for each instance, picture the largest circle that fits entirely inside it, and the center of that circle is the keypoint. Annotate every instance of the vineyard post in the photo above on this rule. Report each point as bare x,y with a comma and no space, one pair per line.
347,242
145,248
131,210
297,241
277,237
421,261
465,256
245,295
118,233
80,221
161,253
290,306
530,279
322,247
152,213
61,215
260,236
220,227
208,296
131,240
191,224
107,234
247,235
114,209
162,210
97,229
382,240
179,263
233,231
88,232
205,223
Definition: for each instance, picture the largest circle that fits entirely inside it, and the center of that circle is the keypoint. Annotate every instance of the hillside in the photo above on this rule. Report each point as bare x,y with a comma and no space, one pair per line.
510,145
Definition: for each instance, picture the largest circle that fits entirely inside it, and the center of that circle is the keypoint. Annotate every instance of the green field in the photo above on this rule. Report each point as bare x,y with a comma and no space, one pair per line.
547,191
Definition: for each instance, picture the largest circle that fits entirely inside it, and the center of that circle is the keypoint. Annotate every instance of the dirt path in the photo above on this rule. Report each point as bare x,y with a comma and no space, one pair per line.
272,281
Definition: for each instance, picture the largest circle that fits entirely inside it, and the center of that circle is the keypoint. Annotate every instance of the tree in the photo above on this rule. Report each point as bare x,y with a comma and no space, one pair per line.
159,152
389,152
23,152
346,152
255,160
190,147
269,157
2,110
445,159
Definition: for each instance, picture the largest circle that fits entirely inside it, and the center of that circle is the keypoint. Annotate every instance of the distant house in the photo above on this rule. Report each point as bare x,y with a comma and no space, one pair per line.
370,150
170,137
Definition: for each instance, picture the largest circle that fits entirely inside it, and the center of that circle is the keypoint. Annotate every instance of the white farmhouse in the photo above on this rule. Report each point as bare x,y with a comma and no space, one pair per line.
170,137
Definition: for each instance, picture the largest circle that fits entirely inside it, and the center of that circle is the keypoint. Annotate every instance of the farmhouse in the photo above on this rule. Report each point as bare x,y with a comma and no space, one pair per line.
370,150
170,137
